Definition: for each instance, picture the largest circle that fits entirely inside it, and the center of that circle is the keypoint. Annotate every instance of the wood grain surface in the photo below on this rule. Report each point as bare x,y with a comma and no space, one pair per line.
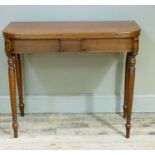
40,30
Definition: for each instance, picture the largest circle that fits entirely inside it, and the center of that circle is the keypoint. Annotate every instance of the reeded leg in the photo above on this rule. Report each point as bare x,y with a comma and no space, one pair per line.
19,83
125,87
12,84
131,79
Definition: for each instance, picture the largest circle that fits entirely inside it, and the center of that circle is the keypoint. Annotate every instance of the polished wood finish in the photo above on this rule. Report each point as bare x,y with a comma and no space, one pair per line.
130,83
68,45
131,62
42,37
35,46
61,30
126,86
19,83
110,45
12,83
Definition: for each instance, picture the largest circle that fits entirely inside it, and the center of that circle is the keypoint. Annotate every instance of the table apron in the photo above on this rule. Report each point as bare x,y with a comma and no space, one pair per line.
71,45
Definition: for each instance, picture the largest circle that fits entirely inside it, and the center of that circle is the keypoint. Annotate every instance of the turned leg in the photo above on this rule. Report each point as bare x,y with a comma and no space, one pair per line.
12,85
125,87
131,79
19,83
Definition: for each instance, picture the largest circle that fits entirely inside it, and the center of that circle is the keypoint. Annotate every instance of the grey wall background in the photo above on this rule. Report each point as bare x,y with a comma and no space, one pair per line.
86,74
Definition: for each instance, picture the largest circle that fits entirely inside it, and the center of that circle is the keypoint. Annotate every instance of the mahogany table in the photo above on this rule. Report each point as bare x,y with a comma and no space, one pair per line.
49,37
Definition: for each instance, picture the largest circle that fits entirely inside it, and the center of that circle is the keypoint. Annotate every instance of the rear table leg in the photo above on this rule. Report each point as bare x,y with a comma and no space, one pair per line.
19,83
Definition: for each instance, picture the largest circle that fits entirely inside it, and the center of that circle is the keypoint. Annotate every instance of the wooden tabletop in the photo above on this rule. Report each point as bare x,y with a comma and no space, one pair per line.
90,29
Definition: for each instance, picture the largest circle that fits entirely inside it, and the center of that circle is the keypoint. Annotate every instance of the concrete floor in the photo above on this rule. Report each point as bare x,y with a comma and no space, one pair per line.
78,131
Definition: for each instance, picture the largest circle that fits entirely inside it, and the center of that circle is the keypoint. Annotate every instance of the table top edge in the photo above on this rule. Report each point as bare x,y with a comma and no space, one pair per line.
124,34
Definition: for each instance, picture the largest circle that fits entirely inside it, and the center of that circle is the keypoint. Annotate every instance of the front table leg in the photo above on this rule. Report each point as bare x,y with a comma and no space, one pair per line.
131,78
12,84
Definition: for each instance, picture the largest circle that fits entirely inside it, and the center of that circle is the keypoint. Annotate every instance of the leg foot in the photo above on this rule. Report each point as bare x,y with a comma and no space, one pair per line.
15,129
21,107
128,126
